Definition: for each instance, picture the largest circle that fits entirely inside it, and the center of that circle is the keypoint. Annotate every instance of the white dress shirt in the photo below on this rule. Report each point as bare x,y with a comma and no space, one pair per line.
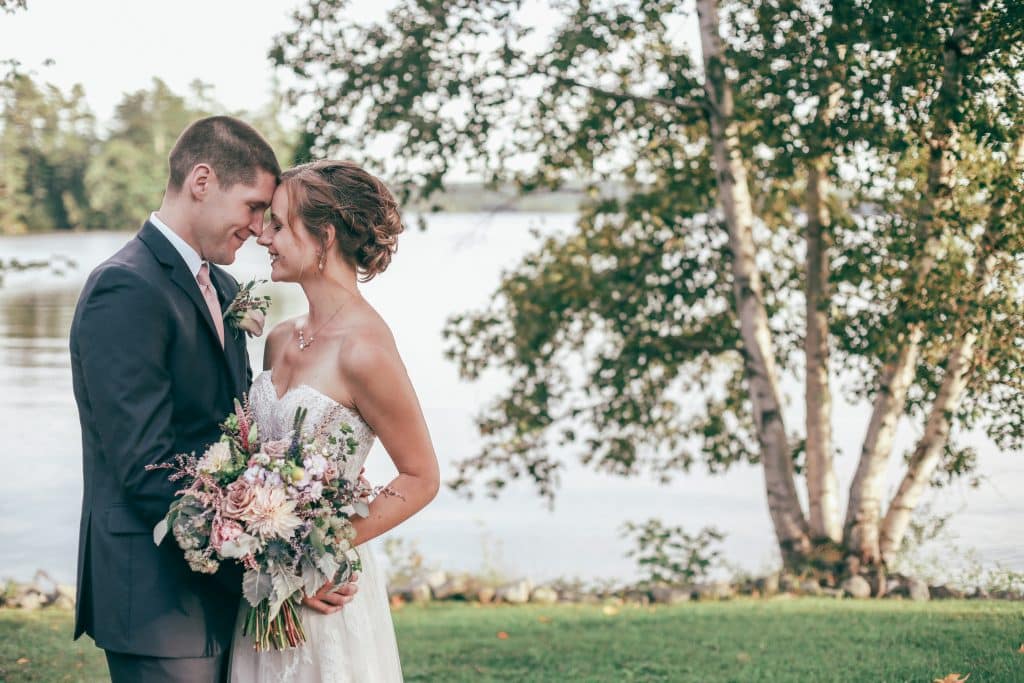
192,258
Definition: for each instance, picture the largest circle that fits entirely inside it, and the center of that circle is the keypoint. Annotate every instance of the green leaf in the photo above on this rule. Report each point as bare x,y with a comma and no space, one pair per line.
160,530
256,586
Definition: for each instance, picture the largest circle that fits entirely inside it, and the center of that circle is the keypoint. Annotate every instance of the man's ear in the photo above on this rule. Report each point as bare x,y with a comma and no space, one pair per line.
200,181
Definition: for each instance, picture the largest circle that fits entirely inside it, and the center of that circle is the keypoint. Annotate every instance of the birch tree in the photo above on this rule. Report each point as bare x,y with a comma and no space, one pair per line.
809,192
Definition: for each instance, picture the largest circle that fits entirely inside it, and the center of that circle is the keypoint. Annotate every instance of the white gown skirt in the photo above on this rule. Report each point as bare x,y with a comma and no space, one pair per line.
356,644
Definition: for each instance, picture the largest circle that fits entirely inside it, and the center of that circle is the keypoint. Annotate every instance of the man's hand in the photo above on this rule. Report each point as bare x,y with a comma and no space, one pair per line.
330,598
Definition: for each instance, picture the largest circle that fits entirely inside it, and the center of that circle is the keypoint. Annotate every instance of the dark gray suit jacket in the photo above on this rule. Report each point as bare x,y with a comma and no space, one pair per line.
151,380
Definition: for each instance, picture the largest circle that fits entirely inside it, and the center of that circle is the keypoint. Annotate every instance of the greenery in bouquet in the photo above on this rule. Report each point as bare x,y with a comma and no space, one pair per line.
281,508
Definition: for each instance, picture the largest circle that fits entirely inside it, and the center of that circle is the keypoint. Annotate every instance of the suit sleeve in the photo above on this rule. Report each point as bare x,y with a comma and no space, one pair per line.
123,334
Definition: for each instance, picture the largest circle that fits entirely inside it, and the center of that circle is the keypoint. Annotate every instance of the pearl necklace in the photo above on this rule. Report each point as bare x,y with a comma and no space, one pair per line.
306,343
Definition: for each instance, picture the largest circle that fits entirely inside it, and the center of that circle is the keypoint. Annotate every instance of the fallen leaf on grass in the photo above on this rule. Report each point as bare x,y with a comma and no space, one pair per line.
742,657
952,678
502,635
23,660
543,619
610,611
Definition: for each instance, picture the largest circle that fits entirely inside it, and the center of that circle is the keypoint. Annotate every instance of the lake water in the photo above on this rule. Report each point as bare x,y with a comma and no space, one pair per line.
452,267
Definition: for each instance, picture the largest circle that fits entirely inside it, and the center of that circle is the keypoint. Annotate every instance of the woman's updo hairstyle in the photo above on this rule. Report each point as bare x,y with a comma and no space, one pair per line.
360,207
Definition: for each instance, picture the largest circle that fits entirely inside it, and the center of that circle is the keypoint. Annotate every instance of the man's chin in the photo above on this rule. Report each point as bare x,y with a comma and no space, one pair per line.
226,258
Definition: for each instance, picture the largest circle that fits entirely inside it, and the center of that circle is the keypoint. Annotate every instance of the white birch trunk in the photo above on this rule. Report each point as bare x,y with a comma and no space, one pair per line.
734,197
928,453
864,511
929,449
822,486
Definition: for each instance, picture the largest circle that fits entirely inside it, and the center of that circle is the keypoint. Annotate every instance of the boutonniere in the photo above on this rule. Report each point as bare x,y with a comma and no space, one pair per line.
248,312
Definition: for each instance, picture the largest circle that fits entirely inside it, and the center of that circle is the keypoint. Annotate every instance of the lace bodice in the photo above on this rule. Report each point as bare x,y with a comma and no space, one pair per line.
275,416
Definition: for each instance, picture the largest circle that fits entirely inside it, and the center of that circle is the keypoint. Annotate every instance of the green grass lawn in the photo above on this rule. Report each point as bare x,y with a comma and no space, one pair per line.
745,640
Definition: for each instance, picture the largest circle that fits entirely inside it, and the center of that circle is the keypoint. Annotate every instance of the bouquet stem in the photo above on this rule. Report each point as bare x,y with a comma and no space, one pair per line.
282,632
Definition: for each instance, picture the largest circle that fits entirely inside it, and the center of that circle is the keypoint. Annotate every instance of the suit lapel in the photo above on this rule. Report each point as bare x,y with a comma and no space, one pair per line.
234,339
169,257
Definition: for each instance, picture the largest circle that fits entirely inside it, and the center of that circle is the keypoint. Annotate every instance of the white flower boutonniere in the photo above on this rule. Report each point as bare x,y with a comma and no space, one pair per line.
248,312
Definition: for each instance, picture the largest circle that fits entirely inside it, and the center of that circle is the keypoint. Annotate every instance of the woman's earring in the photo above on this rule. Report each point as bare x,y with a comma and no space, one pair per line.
323,259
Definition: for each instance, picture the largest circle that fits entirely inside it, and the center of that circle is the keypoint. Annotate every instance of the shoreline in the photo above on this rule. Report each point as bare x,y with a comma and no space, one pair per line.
44,592
409,217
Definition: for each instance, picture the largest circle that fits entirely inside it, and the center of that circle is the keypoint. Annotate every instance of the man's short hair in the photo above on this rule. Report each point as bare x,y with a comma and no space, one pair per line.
232,148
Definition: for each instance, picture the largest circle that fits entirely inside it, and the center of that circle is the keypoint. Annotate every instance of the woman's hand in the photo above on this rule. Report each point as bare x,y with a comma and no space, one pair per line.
330,598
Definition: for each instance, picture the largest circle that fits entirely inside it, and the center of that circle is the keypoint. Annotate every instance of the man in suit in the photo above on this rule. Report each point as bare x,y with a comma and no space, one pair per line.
155,372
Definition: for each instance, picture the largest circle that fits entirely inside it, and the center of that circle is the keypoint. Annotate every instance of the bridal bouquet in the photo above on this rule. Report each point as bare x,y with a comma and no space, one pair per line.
281,508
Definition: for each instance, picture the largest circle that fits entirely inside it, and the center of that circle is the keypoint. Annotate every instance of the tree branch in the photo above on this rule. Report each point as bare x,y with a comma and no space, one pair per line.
685,105
864,510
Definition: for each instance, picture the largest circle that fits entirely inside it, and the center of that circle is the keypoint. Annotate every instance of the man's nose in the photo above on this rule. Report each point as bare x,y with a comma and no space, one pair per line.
256,227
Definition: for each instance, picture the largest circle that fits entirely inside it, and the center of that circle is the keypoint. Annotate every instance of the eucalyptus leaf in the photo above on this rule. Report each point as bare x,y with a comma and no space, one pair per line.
328,565
312,578
160,530
256,586
285,584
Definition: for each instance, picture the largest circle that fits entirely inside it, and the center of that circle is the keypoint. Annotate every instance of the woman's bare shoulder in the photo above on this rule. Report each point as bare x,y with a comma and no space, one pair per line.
282,330
369,344
276,339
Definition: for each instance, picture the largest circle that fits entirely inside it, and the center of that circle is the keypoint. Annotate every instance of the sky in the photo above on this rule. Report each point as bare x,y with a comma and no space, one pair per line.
116,46
113,47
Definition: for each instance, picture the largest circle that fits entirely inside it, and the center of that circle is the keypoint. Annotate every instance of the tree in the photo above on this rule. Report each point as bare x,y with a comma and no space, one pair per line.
46,140
129,174
828,190
56,173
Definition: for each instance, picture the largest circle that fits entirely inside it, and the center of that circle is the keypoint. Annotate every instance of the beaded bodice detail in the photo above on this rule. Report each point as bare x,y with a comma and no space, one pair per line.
276,416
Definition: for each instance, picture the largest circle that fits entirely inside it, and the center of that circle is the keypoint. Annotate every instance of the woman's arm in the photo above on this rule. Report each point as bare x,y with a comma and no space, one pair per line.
384,396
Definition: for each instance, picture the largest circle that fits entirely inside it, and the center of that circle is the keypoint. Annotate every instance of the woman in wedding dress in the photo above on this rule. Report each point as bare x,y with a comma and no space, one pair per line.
332,225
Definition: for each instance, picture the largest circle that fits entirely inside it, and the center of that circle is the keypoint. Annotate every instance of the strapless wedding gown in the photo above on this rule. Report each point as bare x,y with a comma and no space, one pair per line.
358,643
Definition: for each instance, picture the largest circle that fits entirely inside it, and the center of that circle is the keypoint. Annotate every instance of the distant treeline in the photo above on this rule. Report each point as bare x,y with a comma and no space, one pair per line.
58,171
476,197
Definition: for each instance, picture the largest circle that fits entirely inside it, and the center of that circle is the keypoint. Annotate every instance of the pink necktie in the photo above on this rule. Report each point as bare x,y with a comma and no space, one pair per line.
206,287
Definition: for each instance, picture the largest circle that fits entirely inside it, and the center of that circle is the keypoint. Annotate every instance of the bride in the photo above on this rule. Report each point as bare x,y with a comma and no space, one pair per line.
333,224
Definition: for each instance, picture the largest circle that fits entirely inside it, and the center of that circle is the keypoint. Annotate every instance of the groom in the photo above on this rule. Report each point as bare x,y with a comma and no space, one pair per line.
155,372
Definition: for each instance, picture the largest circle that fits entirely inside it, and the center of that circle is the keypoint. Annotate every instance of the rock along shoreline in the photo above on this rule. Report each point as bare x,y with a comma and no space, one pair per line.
440,586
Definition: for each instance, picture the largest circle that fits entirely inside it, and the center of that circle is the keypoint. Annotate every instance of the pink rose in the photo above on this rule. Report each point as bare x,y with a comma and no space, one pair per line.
331,472
252,322
277,449
223,531
238,500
